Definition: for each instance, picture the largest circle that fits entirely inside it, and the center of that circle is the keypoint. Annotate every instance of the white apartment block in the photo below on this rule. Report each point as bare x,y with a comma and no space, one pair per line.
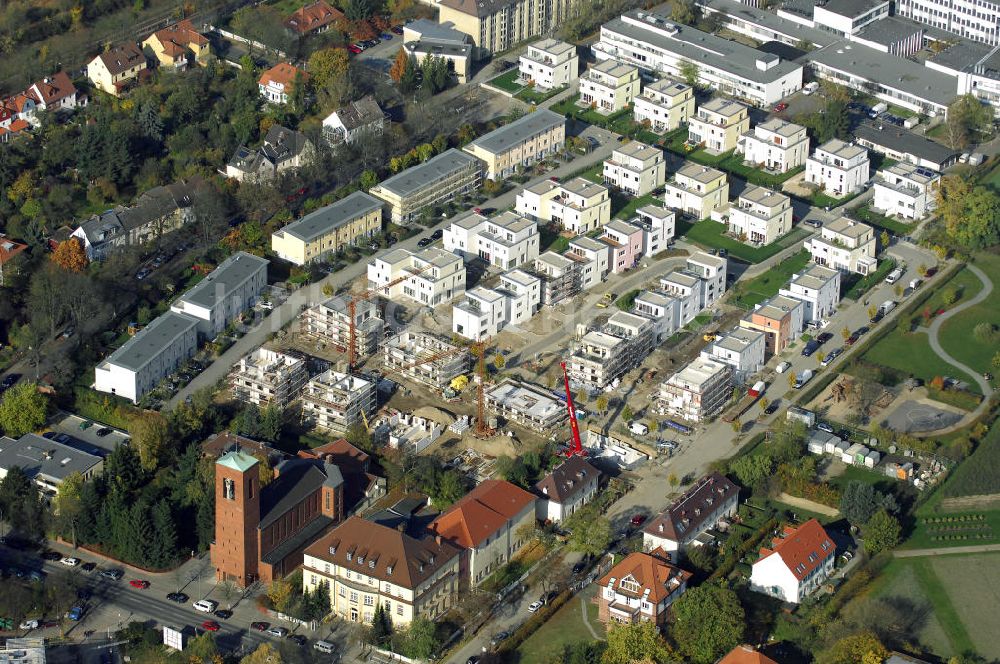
482,314
658,226
847,18
838,168
655,43
560,276
697,392
665,104
845,245
696,190
636,169
603,357
760,216
506,241
664,310
775,145
334,401
719,124
522,296
818,288
405,354
432,277
267,377
225,294
973,19
579,206
905,191
743,349
549,64
698,286
329,322
609,86
593,257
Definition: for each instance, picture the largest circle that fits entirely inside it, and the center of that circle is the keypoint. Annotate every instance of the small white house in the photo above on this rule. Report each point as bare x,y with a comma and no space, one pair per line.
839,168
570,486
818,288
905,191
549,64
795,564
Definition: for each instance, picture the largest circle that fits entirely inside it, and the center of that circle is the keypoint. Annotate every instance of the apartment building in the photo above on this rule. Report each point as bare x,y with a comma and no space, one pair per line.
602,357
655,43
549,64
775,145
523,142
436,180
579,205
636,169
277,84
905,191
329,322
117,69
818,288
972,19
433,276
625,241
593,258
268,377
640,588
759,216
697,392
407,352
710,501
481,315
609,86
665,104
364,564
698,286
743,349
522,296
571,485
795,564
560,275
423,37
225,294
333,401
838,168
488,525
664,310
658,226
328,230
505,241
528,405
719,124
846,245
780,318
696,190
900,144
498,26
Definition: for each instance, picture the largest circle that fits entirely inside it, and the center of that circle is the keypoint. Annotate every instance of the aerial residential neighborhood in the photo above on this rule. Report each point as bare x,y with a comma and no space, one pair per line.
488,332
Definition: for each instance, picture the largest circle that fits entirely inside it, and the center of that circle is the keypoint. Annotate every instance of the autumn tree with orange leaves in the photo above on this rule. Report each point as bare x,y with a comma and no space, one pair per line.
69,255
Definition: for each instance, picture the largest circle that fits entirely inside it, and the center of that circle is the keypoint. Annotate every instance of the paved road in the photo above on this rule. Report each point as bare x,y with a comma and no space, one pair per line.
947,551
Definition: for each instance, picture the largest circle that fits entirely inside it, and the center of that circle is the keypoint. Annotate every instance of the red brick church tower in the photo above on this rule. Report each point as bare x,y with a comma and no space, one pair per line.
237,516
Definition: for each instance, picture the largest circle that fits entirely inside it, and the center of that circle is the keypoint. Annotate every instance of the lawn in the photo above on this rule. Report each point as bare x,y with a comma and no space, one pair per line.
712,234
974,610
900,579
865,214
957,333
911,353
628,210
854,286
562,629
507,81
767,285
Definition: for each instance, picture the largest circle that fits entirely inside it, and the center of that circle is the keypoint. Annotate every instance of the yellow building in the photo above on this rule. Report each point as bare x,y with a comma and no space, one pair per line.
438,179
327,230
497,25
115,70
523,142
609,86
696,190
719,124
177,46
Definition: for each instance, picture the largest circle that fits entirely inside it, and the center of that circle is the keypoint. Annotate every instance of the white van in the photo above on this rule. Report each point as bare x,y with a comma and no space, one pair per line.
205,605
783,367
638,428
325,646
810,88
894,276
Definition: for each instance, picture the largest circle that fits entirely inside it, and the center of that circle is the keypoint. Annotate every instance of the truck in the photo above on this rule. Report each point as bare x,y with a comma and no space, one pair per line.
880,107
751,397
803,377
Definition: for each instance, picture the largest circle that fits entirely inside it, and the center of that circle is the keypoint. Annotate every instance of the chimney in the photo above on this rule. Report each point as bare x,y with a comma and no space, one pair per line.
437,539
401,527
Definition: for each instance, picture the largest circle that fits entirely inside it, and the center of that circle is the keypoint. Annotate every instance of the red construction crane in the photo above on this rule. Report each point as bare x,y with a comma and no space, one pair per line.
577,448
352,309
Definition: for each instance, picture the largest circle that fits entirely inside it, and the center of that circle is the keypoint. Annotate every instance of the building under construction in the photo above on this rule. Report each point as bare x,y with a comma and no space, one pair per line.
561,277
334,401
268,378
602,356
425,358
526,404
329,322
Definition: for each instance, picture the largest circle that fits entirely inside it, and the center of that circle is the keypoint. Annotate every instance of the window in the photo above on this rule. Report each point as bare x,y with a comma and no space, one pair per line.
228,489
399,609
354,596
369,600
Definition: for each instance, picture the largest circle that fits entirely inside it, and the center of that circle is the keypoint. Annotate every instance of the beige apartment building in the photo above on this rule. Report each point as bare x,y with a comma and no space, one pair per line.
775,145
523,142
759,216
438,179
696,190
498,25
579,206
328,230
636,168
266,377
665,104
609,86
719,124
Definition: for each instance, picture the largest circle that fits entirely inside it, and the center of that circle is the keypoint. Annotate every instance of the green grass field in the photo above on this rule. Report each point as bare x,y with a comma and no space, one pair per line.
562,629
867,215
507,81
767,285
627,211
957,336
912,354
712,234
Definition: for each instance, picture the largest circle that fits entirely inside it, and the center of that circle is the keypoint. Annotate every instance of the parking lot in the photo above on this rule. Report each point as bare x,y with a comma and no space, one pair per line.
84,434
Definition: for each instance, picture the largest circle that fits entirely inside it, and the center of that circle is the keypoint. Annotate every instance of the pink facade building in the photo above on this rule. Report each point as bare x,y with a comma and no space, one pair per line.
625,241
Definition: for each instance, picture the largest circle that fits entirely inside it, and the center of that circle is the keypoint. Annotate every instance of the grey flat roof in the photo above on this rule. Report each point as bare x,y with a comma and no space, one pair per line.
962,55
504,138
890,29
230,275
771,21
150,341
901,140
888,70
329,218
851,8
36,456
780,127
701,47
703,174
417,177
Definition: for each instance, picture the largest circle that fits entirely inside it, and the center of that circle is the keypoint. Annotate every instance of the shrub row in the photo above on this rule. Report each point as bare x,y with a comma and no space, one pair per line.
954,519
958,538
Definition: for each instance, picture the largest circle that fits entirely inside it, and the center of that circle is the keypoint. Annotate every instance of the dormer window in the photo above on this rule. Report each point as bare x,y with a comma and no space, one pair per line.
333,550
371,564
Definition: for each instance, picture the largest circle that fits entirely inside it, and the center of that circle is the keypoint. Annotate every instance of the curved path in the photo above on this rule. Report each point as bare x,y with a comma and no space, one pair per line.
935,329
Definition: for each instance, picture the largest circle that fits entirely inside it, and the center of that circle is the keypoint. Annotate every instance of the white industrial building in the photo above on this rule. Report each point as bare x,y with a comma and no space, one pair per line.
838,168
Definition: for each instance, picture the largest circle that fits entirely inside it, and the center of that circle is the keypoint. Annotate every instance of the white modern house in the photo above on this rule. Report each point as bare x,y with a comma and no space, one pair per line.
775,145
522,296
593,258
658,226
506,241
846,245
696,190
795,564
635,168
480,315
664,310
579,205
221,297
719,124
549,64
698,286
759,216
665,104
838,168
905,191
609,86
742,349
818,288
433,276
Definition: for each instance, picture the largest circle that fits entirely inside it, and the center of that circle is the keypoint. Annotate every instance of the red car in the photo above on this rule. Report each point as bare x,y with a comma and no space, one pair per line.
210,625
354,49
851,340
638,519
780,107
259,626
141,584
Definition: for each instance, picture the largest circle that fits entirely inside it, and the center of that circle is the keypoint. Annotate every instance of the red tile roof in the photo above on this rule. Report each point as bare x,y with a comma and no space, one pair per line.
651,571
745,655
481,513
178,37
52,89
283,74
801,549
9,248
315,16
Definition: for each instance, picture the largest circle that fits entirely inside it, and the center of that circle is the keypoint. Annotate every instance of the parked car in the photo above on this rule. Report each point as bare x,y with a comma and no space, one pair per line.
141,584
771,408
113,574
75,613
180,598
396,30
299,639
778,108
88,567
211,626
862,331
831,356
783,367
205,605
824,337
437,235
851,340
225,614
103,431
70,561
10,380
637,519
823,426
277,630
811,347
385,36
259,626
355,49
579,566
426,241
29,624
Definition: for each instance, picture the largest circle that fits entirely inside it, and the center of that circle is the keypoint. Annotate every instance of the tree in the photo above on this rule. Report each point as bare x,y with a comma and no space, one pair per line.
690,72
845,333
709,621
591,532
327,66
834,121
627,413
359,10
23,409
884,238
381,628
673,480
922,271
881,533
872,311
264,654
280,593
763,402
67,505
996,360
860,500
636,642
971,213
368,179
69,255
201,647
949,296
792,380
421,639
862,648
683,11
601,403
752,469
499,361
151,439
968,119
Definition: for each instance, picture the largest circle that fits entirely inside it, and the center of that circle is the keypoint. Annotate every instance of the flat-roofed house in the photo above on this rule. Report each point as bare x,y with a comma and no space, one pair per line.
780,318
665,104
549,64
838,168
775,145
846,245
523,142
329,229
696,190
718,124
436,180
609,86
635,168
